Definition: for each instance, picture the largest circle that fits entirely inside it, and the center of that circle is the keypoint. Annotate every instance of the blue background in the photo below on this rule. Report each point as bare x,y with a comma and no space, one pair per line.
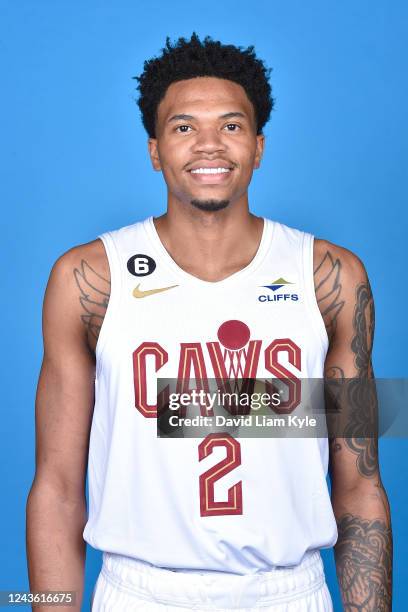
74,163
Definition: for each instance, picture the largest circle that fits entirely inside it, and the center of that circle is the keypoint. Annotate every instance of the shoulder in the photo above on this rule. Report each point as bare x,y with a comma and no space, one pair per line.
78,291
339,262
341,286
80,260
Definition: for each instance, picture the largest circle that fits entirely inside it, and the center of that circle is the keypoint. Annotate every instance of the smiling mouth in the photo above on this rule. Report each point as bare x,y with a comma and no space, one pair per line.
210,170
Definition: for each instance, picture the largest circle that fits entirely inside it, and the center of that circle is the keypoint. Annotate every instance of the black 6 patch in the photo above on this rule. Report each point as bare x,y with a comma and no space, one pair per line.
141,265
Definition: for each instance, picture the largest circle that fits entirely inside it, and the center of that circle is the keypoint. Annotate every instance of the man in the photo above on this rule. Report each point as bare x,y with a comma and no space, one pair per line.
216,523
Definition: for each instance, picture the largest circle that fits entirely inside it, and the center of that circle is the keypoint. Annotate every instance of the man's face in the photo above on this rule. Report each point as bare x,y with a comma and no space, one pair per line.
206,143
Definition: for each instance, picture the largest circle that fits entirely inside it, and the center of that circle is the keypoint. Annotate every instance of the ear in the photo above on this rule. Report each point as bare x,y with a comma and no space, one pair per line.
154,153
260,145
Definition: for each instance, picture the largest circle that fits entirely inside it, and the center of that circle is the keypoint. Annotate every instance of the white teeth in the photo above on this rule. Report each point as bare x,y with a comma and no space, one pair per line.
209,170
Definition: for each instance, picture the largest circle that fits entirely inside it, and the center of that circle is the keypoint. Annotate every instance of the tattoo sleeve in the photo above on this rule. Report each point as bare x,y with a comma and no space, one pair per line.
363,551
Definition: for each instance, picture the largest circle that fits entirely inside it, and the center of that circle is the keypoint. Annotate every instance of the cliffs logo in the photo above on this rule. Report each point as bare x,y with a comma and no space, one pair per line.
282,296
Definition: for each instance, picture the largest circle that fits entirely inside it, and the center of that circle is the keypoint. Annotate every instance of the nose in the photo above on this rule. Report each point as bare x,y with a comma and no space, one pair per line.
209,140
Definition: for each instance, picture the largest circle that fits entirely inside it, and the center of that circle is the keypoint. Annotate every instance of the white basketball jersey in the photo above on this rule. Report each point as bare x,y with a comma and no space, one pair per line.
240,505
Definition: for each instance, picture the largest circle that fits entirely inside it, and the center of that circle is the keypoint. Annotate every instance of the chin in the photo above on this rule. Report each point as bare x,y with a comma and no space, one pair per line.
209,205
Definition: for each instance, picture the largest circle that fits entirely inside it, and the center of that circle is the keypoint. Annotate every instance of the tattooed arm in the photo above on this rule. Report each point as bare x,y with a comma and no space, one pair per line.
74,305
363,551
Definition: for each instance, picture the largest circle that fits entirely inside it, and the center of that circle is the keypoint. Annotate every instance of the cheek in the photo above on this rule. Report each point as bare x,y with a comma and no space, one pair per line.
172,158
172,170
247,164
244,153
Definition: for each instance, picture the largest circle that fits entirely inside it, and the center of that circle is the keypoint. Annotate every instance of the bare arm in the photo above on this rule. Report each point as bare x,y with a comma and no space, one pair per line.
363,552
56,505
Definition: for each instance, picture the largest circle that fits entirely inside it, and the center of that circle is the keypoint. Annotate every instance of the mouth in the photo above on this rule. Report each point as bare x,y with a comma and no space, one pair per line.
210,170
207,174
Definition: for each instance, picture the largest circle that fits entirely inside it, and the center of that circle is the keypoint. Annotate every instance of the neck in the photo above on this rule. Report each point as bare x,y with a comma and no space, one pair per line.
210,245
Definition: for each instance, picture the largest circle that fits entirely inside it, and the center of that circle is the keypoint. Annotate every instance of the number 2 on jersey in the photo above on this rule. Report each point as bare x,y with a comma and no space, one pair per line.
208,505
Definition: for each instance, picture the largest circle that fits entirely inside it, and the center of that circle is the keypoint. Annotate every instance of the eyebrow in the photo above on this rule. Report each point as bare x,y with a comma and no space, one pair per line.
182,116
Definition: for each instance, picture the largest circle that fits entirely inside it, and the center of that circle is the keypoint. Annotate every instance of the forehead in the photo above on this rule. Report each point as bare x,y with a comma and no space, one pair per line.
204,95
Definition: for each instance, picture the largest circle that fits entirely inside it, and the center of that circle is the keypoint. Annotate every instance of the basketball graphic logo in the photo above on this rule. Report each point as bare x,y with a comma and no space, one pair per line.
234,336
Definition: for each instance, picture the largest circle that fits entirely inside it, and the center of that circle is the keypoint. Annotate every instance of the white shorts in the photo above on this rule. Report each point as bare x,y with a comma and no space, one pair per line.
128,585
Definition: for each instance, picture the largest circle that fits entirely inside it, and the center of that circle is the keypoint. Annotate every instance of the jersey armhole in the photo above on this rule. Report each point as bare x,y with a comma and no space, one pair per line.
111,314
309,289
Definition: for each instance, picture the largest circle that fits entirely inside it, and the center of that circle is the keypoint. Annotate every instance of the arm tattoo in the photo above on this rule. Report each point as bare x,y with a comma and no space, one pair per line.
94,297
328,289
362,400
363,323
364,564
364,549
333,392
356,396
362,417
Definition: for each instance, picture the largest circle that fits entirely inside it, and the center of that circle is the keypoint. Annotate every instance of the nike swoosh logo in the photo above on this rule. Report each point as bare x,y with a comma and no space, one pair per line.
138,293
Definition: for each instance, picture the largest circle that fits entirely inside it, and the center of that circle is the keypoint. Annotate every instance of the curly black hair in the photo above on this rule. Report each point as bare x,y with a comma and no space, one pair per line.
187,59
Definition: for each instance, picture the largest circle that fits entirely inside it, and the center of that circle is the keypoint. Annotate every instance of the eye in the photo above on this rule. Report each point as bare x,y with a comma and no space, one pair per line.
233,127
183,128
